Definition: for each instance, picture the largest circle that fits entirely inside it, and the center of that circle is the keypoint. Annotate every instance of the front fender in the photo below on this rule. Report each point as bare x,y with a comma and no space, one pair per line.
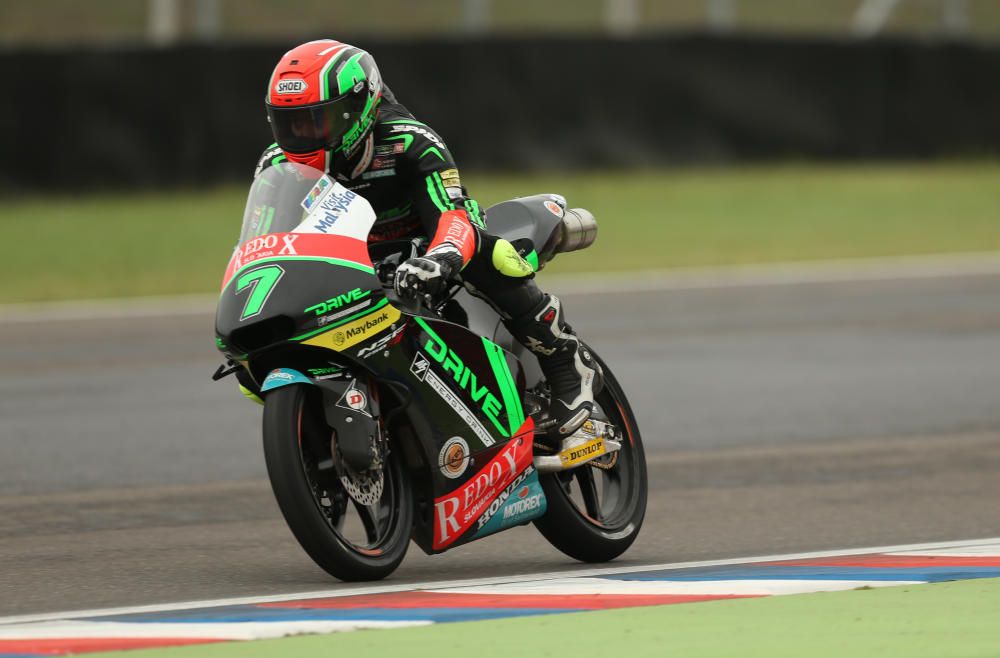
349,409
283,377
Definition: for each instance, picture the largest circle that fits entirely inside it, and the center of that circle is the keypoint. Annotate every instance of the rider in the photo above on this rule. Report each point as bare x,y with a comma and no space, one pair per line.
329,108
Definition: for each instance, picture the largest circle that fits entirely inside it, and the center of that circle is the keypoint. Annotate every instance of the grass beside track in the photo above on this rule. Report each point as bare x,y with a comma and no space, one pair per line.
178,242
956,619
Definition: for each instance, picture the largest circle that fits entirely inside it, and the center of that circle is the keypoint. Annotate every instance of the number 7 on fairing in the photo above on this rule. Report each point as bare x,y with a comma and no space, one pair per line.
261,282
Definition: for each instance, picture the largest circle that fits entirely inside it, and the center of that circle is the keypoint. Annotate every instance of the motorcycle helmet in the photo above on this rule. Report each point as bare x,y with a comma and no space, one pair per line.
322,101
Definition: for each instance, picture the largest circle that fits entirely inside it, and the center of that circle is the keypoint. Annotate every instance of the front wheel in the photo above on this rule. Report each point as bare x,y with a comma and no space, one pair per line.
350,540
595,510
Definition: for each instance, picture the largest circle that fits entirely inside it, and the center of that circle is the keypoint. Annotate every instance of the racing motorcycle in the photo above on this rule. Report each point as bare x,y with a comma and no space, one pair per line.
387,420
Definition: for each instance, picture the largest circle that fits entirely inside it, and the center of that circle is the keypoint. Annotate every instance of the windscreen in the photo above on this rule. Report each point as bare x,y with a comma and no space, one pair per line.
295,198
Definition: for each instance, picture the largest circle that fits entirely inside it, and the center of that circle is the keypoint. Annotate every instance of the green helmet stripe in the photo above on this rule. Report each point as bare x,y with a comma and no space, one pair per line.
324,82
351,74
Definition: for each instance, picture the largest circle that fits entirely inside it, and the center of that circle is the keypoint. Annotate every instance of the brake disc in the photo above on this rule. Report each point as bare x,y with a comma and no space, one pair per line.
365,489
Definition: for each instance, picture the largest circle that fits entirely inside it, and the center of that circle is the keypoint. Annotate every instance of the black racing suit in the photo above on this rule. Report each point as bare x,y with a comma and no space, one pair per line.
414,186
411,181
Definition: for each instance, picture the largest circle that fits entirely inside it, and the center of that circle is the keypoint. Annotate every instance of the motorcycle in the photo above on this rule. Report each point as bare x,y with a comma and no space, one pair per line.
386,420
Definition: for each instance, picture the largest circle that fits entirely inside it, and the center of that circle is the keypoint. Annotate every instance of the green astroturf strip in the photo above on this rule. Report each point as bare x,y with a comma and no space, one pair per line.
956,619
179,242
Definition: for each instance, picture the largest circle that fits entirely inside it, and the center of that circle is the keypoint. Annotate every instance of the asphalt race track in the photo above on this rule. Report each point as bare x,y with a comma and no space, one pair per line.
776,418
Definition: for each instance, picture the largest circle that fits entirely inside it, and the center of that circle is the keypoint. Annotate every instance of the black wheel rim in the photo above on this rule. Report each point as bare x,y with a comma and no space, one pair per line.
368,530
603,492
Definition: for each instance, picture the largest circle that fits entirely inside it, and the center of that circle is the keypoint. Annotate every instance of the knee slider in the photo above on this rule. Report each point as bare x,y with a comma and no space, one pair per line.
508,262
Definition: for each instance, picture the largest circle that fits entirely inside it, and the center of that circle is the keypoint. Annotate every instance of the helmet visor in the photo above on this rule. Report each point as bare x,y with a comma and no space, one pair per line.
315,127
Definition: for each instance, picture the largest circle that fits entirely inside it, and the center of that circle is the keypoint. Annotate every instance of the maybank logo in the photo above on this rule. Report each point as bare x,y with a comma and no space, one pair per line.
352,333
382,318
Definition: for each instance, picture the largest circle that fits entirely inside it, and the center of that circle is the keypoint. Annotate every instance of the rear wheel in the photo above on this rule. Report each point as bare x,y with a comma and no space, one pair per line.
350,540
595,510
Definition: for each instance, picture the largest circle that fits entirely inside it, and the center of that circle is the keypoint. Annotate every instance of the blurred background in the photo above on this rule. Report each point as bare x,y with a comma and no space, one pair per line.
793,406
730,131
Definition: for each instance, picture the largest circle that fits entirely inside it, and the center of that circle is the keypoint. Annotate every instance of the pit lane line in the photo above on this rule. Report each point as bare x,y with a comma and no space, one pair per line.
350,590
894,268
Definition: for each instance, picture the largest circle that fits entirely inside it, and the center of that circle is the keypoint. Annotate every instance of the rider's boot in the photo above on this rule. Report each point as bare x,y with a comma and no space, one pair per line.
574,377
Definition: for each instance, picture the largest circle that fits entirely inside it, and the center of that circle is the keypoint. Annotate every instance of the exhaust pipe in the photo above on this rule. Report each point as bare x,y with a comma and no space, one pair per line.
579,230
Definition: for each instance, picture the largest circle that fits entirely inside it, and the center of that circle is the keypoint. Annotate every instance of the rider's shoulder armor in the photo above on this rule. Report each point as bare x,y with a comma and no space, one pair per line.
410,141
272,155
421,156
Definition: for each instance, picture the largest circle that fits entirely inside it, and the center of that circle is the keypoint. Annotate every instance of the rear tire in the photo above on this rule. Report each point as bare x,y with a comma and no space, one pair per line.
594,514
313,500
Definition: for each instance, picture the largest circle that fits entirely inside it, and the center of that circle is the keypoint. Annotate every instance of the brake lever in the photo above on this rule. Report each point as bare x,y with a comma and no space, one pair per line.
222,372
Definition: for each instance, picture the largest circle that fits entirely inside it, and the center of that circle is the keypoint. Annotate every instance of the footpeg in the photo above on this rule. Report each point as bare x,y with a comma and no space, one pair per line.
594,439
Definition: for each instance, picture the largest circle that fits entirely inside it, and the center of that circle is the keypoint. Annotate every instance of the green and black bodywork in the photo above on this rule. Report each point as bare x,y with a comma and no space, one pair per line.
417,422
321,317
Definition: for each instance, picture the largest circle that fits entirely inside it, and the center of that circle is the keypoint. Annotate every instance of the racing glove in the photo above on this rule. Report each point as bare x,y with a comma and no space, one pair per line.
429,274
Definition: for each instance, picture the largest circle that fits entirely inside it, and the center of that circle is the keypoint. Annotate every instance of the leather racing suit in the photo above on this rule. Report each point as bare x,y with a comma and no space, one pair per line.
414,187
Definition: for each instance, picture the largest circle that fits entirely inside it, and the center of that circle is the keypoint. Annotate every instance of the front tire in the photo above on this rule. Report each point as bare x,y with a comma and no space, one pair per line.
314,502
594,514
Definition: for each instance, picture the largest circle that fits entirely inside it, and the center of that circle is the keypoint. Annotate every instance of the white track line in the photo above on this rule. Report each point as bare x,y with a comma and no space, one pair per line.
756,587
352,590
204,630
740,276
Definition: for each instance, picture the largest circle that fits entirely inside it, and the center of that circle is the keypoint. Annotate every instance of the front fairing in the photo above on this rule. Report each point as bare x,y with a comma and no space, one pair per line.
301,269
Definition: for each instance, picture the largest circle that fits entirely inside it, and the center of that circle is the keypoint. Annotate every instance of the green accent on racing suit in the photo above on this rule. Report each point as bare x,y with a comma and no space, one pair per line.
405,189
407,140
532,259
433,151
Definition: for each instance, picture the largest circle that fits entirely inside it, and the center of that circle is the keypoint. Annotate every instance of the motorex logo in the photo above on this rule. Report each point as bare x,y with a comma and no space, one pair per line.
291,86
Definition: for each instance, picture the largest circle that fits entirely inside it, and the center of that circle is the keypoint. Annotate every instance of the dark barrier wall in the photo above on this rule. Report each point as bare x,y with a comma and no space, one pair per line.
194,114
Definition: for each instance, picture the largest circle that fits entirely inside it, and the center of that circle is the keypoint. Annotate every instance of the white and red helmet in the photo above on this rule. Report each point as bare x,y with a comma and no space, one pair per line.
322,101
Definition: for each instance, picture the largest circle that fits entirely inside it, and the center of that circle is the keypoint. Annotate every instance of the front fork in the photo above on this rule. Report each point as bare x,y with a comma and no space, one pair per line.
352,411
